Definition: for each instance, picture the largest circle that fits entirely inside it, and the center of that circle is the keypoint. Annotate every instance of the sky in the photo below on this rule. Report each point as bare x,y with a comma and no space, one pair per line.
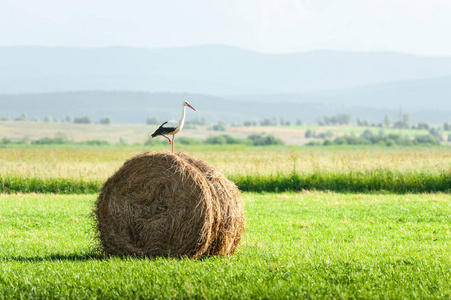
421,27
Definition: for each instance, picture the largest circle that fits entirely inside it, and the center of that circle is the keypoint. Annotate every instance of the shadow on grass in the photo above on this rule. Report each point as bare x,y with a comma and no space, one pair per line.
91,256
56,257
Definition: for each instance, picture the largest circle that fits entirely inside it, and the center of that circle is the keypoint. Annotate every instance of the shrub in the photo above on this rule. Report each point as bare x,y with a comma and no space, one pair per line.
426,139
436,132
264,140
96,143
106,121
224,139
49,141
83,120
22,118
5,141
188,141
389,142
216,140
313,143
340,141
327,142
221,126
197,121
152,121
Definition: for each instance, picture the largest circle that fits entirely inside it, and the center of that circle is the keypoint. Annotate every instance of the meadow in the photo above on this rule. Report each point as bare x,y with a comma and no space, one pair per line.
313,240
252,168
311,245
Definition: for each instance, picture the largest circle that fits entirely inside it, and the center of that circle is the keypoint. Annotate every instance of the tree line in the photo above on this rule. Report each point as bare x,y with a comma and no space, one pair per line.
69,119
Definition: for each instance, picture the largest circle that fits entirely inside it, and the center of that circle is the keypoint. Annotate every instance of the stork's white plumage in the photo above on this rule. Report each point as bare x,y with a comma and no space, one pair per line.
172,127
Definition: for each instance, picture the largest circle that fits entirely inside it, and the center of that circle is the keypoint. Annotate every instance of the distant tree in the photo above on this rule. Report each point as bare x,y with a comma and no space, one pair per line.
308,134
340,119
406,120
345,119
426,139
436,132
106,121
216,140
266,122
152,121
367,134
327,142
449,137
198,121
389,142
249,123
48,118
83,120
298,122
447,127
423,125
399,124
264,140
221,126
122,141
363,122
22,118
387,121
4,119
69,119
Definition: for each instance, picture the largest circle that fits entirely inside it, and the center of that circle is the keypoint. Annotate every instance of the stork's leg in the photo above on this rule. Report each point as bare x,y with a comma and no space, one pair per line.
173,136
167,138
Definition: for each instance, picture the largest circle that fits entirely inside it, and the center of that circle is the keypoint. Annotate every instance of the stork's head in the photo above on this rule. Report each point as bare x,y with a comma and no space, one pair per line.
186,103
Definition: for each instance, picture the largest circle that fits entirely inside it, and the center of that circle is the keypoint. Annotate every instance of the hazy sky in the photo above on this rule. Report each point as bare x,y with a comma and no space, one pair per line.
410,26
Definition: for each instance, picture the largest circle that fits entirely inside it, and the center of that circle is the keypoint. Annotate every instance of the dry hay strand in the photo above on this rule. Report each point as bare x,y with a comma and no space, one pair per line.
165,204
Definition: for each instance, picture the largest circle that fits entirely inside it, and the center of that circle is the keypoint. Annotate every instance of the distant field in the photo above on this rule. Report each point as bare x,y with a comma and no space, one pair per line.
297,245
138,134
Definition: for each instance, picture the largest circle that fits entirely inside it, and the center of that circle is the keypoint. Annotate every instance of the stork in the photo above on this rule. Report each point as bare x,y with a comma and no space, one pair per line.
172,127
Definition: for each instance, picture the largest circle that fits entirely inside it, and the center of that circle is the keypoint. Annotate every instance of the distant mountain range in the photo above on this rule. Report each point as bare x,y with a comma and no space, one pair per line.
227,83
215,70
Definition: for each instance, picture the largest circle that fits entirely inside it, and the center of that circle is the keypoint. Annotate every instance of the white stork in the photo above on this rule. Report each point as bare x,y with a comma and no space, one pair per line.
172,127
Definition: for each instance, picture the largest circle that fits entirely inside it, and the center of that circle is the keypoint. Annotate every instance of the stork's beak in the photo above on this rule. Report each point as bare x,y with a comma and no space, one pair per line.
191,107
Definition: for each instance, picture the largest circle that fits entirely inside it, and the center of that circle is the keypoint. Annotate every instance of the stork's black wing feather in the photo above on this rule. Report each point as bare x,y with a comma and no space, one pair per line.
163,130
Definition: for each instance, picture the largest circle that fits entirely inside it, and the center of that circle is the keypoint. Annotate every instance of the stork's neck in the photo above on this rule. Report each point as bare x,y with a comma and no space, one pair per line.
182,120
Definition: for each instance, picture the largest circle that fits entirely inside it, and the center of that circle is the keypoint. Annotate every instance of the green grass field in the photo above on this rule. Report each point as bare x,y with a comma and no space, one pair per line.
269,169
297,245
310,244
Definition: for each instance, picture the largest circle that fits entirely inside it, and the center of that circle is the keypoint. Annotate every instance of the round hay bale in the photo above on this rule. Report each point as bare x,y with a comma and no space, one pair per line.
165,204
